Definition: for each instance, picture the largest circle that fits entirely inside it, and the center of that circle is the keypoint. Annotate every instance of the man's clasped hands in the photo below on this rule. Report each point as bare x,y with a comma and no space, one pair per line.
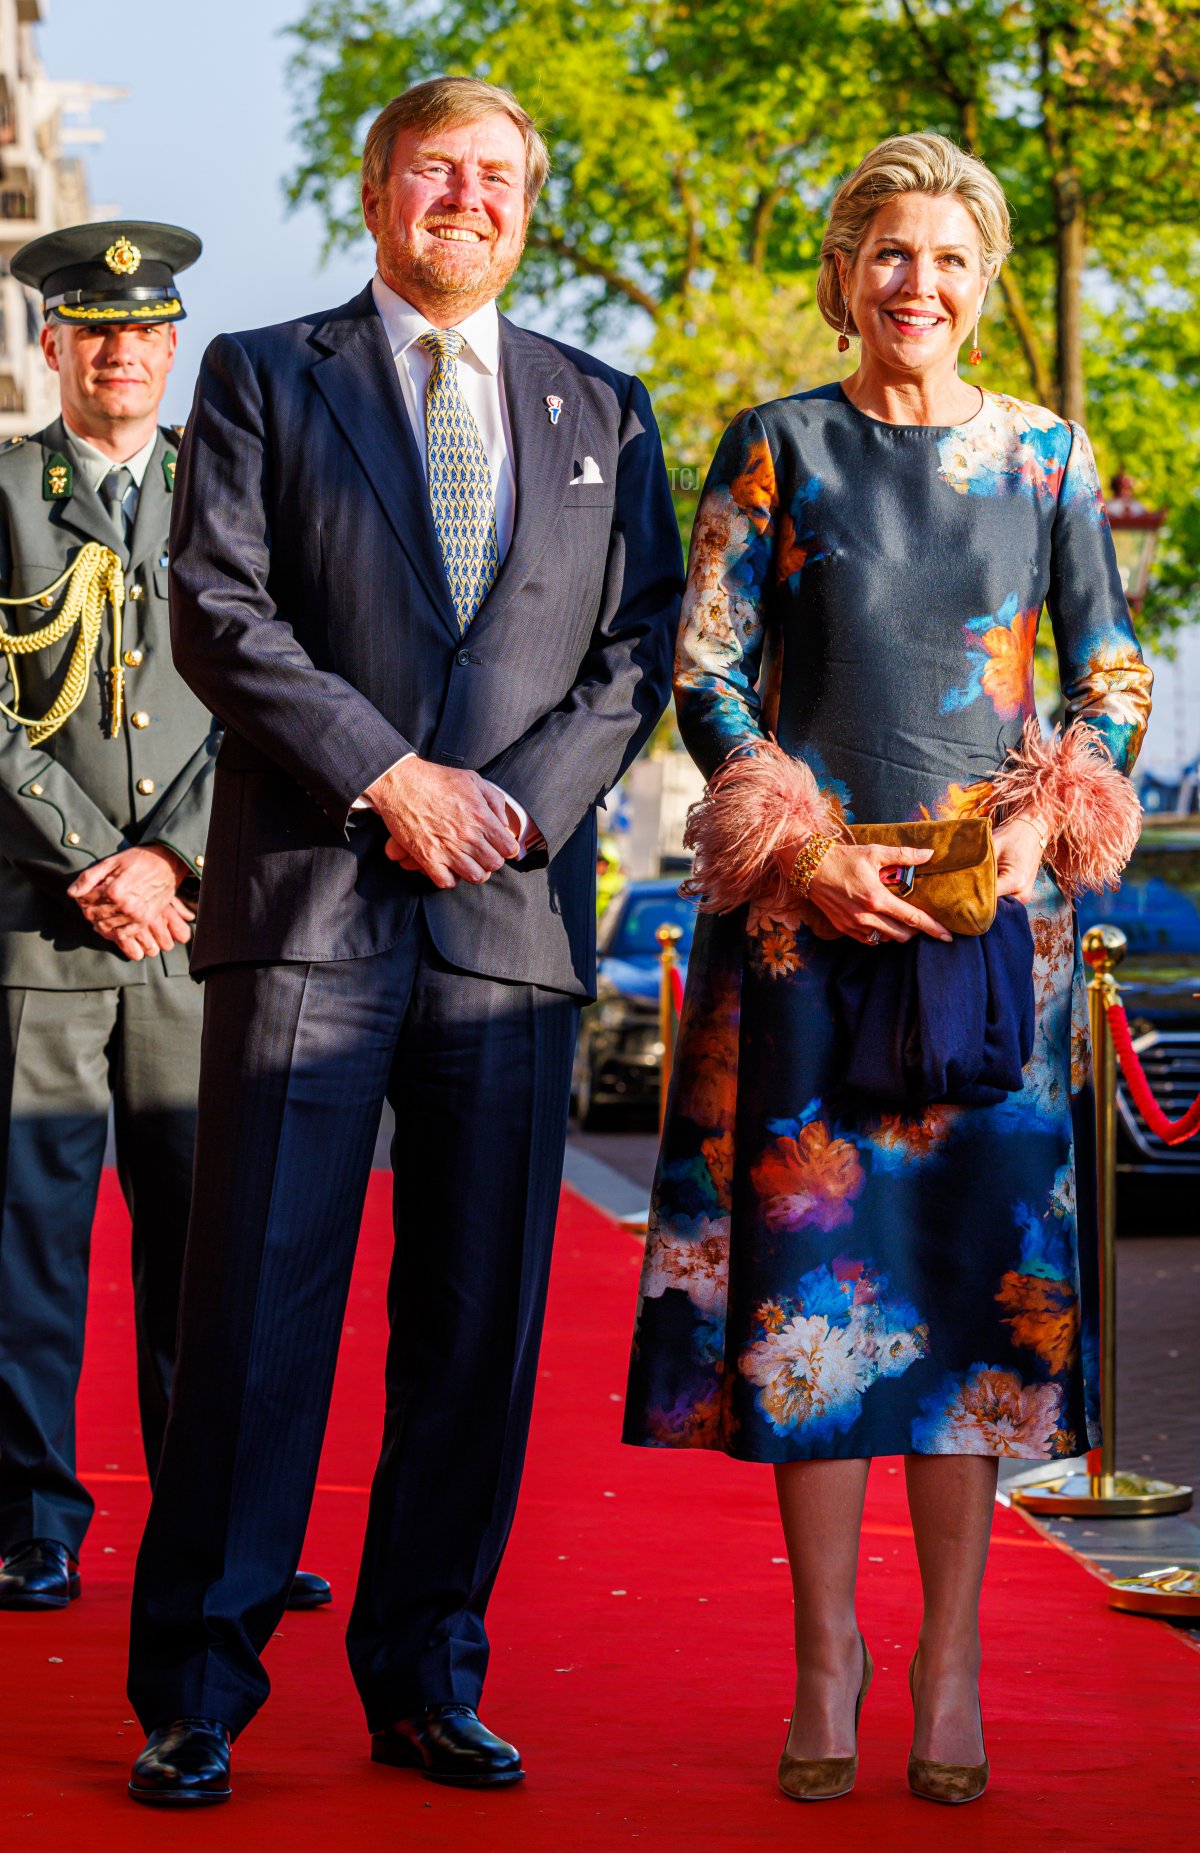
449,825
132,898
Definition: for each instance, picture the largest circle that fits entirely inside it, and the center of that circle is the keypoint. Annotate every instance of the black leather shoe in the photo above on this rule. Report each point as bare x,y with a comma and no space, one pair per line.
447,1743
185,1763
309,1591
39,1574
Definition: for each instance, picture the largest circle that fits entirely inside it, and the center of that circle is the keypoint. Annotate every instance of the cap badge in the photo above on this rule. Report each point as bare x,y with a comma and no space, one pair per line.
122,257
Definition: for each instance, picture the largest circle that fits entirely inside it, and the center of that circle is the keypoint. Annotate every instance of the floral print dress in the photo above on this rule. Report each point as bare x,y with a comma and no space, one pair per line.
821,1279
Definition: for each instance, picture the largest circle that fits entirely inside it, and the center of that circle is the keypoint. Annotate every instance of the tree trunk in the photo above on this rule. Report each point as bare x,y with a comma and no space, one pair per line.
1071,254
1043,385
1057,37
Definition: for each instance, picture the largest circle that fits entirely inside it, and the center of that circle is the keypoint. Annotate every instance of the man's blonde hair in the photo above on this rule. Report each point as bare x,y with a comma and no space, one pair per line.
449,103
909,164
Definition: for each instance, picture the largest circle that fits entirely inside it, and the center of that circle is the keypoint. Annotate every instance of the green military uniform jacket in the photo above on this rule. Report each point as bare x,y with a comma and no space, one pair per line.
81,795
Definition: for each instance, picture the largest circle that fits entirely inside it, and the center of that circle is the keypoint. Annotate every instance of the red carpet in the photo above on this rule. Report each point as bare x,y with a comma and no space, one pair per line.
641,1661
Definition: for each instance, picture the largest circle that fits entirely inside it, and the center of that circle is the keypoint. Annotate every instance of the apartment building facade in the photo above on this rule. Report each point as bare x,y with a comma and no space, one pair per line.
42,186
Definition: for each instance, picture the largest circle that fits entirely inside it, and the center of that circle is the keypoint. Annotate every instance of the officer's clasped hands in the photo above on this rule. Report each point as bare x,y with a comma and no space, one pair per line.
131,899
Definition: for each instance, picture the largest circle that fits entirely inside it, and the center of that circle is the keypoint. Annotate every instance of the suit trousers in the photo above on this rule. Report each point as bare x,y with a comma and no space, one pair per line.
297,1061
65,1056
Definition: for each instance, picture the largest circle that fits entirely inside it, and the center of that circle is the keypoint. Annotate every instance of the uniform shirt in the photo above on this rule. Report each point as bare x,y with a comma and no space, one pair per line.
482,384
94,466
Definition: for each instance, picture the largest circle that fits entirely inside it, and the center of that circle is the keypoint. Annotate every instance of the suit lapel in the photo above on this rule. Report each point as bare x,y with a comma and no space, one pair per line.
153,510
542,455
357,380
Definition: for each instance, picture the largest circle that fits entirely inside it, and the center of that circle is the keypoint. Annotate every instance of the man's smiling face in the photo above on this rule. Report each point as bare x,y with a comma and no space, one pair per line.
449,224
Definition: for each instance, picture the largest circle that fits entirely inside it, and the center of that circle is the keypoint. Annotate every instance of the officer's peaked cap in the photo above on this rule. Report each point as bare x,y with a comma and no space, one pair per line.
120,271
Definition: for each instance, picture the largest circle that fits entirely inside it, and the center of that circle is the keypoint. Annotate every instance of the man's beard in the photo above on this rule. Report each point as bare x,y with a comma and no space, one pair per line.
441,275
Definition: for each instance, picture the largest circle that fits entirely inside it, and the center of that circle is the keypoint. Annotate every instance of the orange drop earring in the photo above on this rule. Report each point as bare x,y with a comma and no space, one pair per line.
976,354
844,337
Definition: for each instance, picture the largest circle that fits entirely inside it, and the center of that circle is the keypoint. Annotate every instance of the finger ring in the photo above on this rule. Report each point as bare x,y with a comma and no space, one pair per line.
874,937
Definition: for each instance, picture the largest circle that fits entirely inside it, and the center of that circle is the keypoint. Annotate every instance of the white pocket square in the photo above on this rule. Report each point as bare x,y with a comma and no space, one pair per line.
590,473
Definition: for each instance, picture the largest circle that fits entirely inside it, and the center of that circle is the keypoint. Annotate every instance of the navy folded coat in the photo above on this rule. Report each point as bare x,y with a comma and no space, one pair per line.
926,1021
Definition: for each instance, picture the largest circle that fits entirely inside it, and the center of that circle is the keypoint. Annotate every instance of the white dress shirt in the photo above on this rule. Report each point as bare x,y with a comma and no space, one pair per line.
481,381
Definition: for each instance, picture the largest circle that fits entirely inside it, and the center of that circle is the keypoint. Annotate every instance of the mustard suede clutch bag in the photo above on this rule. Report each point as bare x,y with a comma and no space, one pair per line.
957,886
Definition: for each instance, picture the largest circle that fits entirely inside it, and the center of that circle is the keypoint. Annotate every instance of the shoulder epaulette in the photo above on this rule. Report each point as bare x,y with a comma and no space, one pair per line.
10,444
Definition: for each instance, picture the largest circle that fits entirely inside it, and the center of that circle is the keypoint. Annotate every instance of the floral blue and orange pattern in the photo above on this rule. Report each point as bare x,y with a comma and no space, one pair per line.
821,1280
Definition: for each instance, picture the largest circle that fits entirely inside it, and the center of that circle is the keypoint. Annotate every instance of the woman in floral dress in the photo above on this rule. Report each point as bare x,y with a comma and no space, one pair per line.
826,1281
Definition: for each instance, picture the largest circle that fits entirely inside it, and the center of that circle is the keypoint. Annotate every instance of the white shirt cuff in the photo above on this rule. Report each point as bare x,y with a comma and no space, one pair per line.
528,835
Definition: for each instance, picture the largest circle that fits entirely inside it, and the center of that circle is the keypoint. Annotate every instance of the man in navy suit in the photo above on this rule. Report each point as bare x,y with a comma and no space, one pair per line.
425,570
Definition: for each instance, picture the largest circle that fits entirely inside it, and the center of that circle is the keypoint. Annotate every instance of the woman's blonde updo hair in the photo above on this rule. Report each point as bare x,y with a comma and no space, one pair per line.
909,164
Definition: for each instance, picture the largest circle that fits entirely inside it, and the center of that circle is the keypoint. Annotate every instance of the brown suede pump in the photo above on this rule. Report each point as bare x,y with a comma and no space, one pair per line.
824,1778
944,1782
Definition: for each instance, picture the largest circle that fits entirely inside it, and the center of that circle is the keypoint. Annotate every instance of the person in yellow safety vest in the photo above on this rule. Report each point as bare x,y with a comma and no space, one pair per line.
610,876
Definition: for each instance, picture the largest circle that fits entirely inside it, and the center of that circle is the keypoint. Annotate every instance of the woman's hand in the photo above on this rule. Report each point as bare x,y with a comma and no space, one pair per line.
847,888
1020,846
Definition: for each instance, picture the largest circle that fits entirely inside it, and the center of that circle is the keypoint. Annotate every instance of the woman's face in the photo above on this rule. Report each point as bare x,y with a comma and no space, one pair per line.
917,283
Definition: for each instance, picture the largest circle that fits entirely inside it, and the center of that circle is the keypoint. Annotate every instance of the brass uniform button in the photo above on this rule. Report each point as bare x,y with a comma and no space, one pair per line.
199,862
133,659
73,838
35,791
139,718
136,593
46,599
147,787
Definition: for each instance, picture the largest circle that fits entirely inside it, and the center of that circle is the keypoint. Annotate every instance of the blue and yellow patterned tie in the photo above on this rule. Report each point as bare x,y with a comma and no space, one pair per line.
460,482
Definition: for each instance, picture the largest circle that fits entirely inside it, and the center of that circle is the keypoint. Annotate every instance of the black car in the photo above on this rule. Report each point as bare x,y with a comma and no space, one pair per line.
619,1053
1157,907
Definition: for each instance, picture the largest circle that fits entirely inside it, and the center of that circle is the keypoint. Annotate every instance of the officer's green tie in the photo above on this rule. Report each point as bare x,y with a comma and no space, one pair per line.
460,482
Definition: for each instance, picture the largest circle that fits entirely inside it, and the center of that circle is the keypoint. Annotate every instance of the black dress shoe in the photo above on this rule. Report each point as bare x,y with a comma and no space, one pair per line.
447,1743
185,1763
309,1591
39,1574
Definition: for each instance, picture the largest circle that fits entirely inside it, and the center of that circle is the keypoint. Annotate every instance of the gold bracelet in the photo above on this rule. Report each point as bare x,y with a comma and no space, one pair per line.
1036,824
808,860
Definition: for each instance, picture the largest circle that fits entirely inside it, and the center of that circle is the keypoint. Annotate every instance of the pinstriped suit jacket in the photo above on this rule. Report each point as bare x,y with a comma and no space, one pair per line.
311,613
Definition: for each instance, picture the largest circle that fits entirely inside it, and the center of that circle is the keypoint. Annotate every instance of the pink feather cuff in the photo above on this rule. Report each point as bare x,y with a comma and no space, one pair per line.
754,806
1086,804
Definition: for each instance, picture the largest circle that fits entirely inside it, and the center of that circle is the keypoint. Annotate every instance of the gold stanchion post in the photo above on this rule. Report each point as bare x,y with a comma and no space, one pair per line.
668,938
1108,1493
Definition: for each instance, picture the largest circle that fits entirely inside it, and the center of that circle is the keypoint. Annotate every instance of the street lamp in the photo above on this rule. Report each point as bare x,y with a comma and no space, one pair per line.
1135,531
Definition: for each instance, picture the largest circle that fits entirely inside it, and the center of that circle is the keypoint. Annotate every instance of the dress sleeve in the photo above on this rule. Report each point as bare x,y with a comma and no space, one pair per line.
719,650
1105,682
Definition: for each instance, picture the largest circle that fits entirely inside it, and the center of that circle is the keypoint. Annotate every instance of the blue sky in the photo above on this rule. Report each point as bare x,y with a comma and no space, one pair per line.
203,139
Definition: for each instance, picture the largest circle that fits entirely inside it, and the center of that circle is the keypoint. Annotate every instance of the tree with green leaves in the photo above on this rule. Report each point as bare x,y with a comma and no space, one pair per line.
696,147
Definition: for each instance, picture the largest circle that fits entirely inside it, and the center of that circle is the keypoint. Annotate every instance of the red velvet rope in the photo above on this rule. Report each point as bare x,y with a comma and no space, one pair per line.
677,989
1171,1132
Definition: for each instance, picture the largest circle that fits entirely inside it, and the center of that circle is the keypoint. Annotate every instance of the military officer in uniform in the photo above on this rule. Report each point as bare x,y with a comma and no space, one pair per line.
106,762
